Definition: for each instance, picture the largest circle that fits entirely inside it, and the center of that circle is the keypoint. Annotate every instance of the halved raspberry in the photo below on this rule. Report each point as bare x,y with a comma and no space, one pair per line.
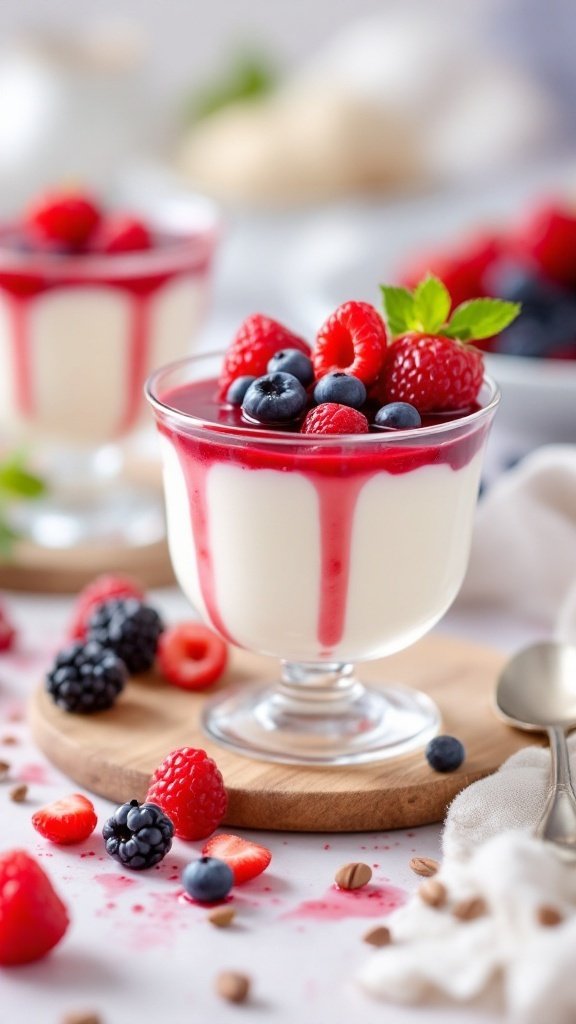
191,656
67,218
330,418
352,339
431,372
7,631
247,860
122,233
189,788
66,821
33,918
100,590
257,340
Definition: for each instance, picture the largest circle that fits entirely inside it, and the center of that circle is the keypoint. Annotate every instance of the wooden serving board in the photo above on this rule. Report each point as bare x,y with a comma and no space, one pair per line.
114,753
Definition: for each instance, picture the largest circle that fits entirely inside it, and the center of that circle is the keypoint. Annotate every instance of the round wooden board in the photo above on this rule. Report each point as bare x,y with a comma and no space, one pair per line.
114,753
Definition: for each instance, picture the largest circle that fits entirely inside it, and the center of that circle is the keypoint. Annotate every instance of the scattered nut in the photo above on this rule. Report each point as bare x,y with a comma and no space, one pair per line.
4,769
232,986
379,936
433,892
18,794
470,909
222,916
424,866
549,917
353,876
81,1018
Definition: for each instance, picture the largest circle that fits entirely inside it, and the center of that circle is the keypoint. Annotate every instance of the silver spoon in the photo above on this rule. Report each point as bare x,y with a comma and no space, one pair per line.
537,691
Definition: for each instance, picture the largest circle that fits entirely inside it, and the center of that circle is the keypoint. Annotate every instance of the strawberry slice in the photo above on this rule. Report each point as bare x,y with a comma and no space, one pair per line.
247,860
66,821
33,918
191,656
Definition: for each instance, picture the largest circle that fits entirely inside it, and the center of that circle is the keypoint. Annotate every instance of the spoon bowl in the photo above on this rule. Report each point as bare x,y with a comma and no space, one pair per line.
537,688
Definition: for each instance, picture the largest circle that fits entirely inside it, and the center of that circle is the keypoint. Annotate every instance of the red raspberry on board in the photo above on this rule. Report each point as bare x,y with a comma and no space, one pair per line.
247,860
7,632
191,655
331,418
67,218
121,233
258,338
102,589
190,790
33,918
547,237
431,372
354,340
66,821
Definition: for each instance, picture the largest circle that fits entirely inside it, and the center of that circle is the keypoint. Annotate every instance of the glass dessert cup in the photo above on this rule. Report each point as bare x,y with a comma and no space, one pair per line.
79,334
322,550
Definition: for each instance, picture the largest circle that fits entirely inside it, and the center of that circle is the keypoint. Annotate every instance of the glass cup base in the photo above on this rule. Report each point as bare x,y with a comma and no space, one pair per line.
344,724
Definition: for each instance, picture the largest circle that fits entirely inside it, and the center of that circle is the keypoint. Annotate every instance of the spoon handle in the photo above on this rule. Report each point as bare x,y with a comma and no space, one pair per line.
558,821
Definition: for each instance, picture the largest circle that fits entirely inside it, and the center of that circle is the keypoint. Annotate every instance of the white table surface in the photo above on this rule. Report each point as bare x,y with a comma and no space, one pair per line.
136,954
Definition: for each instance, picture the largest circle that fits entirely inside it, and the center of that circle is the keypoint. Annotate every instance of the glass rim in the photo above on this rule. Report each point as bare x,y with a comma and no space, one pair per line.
220,431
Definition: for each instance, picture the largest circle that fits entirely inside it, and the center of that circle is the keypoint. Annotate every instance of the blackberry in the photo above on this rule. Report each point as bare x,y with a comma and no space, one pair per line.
138,835
130,629
86,677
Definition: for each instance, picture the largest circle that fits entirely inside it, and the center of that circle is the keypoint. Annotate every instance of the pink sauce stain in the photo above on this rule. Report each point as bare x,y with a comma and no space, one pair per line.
138,908
337,904
326,846
113,885
34,773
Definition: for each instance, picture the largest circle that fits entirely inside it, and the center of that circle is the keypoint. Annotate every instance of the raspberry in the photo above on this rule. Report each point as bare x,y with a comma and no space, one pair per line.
189,788
432,373
66,218
257,340
462,269
191,656
66,821
102,589
330,418
548,237
121,233
353,339
33,918
7,632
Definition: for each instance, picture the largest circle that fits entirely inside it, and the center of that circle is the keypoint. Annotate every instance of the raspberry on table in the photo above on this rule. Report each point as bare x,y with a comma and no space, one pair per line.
33,918
95,593
256,341
8,632
138,835
86,678
189,788
66,217
331,418
432,373
354,340
129,628
191,655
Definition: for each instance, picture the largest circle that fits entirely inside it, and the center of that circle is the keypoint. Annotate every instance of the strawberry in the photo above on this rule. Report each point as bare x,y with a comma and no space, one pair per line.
461,269
7,632
191,656
33,918
548,238
122,234
256,341
353,340
66,218
189,788
96,593
331,418
66,821
247,860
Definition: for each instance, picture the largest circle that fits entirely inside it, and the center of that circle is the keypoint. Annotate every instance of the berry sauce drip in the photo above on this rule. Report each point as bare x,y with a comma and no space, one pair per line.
338,476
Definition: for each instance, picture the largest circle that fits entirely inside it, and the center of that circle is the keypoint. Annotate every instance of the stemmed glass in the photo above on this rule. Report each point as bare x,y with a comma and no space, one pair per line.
323,551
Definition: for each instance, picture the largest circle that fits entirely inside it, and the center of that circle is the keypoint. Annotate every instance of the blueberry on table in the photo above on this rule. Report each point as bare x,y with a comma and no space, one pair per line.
138,835
445,753
341,388
208,879
291,360
237,389
398,416
275,398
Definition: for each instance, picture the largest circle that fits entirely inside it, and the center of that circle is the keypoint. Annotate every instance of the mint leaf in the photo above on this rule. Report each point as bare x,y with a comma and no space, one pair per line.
432,303
399,309
247,76
481,318
18,482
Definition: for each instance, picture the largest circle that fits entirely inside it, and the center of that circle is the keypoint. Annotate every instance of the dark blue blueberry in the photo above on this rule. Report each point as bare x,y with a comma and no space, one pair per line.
398,416
445,753
237,390
275,398
291,360
547,321
138,835
342,388
208,879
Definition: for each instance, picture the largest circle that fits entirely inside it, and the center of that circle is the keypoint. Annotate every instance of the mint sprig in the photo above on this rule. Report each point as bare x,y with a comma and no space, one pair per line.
17,483
427,309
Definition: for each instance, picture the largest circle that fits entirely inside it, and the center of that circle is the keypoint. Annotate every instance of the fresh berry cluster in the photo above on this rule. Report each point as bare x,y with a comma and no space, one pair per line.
70,221
532,262
366,372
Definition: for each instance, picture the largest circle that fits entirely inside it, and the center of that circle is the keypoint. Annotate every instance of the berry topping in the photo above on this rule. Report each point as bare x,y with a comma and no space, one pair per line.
189,788
445,753
548,239
138,835
208,879
66,821
341,388
191,656
64,218
352,339
463,270
247,860
238,388
398,416
86,678
33,918
330,418
256,341
130,629
7,631
121,233
275,398
102,589
291,360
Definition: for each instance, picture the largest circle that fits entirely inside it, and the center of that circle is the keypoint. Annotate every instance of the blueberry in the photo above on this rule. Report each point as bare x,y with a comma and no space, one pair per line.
445,753
275,398
291,360
342,388
237,390
208,879
398,416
